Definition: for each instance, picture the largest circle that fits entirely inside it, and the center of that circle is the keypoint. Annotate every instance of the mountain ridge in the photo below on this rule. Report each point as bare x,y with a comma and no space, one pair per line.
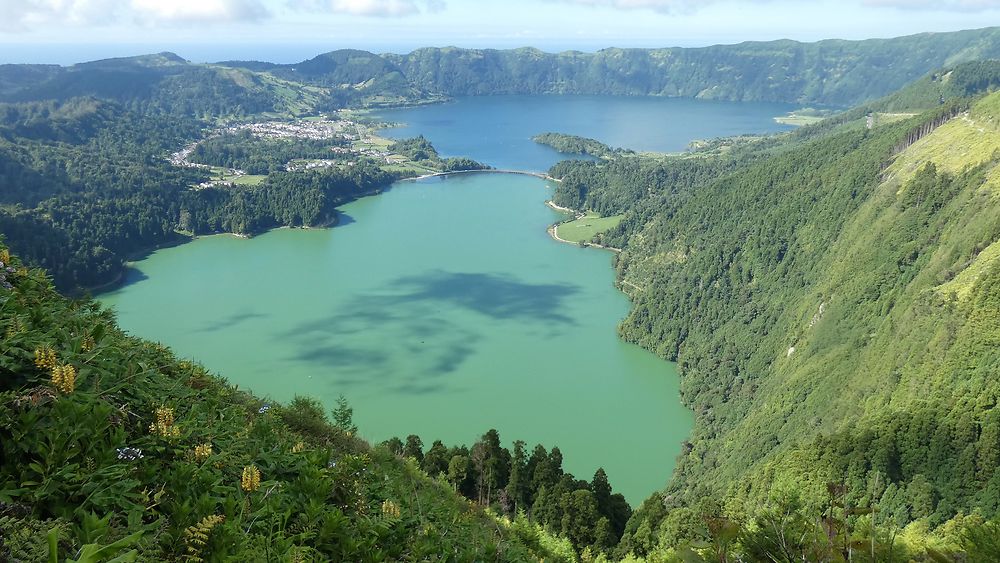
833,71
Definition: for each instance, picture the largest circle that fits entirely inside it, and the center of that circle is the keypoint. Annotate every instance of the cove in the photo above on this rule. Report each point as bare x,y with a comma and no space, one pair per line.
441,307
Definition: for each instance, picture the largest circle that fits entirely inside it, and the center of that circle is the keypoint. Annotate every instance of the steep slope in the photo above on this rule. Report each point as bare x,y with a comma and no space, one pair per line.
831,300
832,72
111,442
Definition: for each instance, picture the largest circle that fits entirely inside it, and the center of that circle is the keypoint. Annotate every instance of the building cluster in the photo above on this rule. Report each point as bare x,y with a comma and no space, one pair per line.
315,130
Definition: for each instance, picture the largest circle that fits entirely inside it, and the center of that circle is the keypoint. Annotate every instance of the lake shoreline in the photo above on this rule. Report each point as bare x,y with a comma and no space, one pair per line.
540,175
332,222
553,230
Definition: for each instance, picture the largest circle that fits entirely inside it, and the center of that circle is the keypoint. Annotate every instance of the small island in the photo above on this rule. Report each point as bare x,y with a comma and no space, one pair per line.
573,144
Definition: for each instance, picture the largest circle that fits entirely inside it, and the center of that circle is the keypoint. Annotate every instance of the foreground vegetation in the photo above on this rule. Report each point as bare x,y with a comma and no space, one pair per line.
114,447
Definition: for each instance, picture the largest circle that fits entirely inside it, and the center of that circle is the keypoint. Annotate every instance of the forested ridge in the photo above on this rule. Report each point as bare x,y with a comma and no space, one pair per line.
832,72
837,72
830,299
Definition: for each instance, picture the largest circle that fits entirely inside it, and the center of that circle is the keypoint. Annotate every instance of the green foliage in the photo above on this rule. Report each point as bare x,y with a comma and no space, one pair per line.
343,416
160,84
91,188
534,489
143,458
419,150
572,144
802,284
833,72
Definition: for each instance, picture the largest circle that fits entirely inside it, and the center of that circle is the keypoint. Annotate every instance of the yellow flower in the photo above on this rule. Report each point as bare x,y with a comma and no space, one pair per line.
298,447
5,256
88,344
164,425
202,451
251,478
45,358
64,378
390,509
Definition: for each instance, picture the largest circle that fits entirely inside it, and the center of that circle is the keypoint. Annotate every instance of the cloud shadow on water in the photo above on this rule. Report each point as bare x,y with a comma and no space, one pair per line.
231,321
497,296
400,338
343,219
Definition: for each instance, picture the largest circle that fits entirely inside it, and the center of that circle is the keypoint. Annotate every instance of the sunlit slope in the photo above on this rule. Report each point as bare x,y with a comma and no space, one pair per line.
845,289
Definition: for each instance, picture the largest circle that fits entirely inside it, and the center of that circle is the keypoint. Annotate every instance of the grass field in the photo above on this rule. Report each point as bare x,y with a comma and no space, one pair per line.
243,180
409,168
967,140
247,179
584,228
373,142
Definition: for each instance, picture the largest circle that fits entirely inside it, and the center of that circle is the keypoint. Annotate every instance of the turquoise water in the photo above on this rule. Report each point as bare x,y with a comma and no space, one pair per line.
442,307
497,130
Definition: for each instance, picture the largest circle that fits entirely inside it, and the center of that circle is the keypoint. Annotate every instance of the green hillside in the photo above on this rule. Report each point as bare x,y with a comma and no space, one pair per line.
837,72
830,298
114,447
831,72
162,83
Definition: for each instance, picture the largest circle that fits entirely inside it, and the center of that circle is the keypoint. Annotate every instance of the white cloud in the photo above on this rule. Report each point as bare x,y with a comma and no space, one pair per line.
23,15
667,6
938,5
689,6
206,11
379,8
19,15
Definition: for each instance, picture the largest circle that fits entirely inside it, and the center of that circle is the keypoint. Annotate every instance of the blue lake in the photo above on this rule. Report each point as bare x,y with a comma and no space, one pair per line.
497,130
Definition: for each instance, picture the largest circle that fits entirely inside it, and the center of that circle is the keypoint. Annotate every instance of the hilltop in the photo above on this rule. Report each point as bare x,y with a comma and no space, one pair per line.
835,72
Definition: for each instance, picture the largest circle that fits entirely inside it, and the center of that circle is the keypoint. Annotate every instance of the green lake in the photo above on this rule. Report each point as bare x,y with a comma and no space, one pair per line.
440,308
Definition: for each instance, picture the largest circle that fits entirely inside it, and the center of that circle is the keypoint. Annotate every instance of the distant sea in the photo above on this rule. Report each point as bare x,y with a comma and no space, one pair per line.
68,54
72,53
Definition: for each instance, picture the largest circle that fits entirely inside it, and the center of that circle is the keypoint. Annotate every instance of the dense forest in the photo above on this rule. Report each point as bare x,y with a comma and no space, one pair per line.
534,484
163,84
829,297
87,184
422,152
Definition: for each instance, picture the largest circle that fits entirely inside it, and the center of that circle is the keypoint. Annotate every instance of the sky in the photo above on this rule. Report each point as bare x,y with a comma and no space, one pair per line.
68,31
